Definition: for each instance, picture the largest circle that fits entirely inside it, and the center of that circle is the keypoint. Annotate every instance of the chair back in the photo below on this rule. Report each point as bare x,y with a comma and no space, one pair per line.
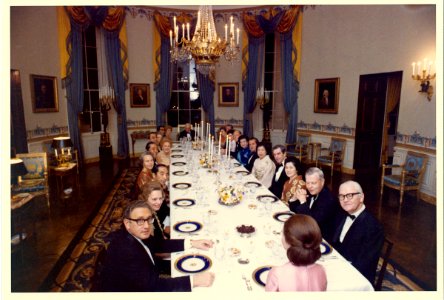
386,251
337,145
415,164
35,163
303,139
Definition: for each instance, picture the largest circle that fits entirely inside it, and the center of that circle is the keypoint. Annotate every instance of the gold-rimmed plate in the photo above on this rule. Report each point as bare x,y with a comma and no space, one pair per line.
192,263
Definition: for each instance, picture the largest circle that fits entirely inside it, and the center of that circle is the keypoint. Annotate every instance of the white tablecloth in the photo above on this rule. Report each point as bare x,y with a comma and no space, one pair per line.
221,228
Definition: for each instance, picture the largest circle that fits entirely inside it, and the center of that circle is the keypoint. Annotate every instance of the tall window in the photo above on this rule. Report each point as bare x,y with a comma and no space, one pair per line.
90,118
185,105
274,110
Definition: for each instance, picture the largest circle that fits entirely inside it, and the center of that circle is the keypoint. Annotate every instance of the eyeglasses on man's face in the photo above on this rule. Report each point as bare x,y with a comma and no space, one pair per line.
348,196
141,222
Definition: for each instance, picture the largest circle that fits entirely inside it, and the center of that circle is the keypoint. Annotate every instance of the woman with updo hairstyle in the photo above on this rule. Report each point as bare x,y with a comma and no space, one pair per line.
302,239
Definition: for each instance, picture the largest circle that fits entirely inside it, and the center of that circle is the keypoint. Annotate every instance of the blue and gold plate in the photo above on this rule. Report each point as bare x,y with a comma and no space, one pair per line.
192,263
325,248
260,275
182,185
261,198
282,216
187,226
184,202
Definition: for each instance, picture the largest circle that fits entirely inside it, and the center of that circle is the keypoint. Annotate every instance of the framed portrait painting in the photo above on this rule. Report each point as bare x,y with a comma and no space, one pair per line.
140,95
326,99
229,94
44,94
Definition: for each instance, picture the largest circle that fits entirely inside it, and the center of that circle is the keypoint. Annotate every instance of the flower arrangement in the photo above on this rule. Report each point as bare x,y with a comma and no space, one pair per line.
204,160
230,195
197,145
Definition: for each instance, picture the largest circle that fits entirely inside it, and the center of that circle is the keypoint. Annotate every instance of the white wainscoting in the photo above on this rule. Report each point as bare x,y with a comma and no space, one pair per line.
429,179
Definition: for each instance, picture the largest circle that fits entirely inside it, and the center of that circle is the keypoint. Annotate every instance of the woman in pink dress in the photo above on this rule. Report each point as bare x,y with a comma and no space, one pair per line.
302,239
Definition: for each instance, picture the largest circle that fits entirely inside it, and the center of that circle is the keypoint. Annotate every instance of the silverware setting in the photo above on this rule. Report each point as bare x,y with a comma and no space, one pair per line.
247,282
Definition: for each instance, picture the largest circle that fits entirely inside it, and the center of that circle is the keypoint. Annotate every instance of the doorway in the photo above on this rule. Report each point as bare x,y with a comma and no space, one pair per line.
376,120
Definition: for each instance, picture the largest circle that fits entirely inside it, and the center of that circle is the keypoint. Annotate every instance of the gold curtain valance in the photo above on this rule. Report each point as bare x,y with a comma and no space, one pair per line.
113,20
163,22
285,25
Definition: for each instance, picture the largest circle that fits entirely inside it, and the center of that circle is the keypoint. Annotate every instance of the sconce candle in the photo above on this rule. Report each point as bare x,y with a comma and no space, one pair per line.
422,72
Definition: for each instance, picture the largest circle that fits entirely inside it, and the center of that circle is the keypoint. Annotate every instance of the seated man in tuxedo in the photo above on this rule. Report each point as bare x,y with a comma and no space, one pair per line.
279,179
187,133
129,264
252,144
317,201
359,236
161,174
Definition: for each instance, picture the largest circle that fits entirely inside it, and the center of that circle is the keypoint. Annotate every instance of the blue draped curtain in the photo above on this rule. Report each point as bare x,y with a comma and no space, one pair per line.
163,86
290,86
80,19
206,94
256,53
74,84
115,70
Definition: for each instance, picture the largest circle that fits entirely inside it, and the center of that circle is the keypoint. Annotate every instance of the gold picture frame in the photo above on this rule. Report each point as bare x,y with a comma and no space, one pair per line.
44,94
326,99
140,95
228,94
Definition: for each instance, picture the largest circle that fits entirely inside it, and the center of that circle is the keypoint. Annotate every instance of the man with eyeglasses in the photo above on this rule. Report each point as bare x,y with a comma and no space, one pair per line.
316,201
129,264
359,236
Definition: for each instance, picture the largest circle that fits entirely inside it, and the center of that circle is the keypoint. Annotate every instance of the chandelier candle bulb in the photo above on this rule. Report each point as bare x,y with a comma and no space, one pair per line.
174,20
171,38
188,31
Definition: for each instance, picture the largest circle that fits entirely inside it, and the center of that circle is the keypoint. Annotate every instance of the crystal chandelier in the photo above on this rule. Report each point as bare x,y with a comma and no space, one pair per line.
205,46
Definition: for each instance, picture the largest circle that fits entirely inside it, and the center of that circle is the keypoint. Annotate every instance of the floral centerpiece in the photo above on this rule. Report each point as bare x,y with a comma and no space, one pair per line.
230,195
197,145
204,161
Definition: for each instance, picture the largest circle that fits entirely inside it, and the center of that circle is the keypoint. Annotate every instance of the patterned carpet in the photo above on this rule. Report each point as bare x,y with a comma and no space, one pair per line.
74,272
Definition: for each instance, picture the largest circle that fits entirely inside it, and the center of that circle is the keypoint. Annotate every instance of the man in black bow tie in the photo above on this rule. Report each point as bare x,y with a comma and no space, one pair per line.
359,236
279,179
317,201
130,264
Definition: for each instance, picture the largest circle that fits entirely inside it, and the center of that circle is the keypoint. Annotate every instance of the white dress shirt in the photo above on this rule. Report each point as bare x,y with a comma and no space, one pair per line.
349,222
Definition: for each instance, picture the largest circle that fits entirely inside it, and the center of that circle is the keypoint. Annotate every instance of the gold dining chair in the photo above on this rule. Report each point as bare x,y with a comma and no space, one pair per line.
410,177
333,156
300,148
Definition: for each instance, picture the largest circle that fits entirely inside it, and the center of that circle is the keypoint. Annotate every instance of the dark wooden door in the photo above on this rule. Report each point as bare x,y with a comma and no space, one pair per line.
370,123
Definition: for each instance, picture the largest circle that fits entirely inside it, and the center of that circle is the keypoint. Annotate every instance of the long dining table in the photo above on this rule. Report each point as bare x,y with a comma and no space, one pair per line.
240,261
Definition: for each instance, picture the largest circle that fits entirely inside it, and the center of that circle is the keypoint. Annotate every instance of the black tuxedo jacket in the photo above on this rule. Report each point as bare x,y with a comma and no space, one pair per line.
183,134
251,160
362,244
277,186
127,266
324,210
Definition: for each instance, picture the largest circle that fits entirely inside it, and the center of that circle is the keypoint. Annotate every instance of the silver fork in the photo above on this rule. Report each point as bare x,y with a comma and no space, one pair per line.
247,282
